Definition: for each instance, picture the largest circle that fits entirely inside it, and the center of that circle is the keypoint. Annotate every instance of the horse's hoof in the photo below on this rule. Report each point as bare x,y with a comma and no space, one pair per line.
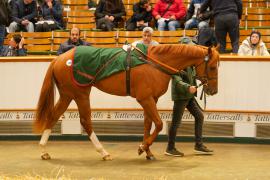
150,158
107,158
141,149
45,156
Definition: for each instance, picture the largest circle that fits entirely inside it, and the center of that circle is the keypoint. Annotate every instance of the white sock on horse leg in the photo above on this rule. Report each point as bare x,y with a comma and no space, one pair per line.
44,139
98,145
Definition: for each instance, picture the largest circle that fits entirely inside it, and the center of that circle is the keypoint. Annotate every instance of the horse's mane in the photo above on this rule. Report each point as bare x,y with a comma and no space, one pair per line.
184,50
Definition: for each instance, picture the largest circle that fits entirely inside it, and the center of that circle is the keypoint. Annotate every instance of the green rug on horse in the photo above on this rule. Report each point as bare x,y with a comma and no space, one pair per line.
92,64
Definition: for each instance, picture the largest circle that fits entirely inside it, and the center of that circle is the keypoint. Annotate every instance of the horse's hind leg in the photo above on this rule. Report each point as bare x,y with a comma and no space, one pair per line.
85,118
59,109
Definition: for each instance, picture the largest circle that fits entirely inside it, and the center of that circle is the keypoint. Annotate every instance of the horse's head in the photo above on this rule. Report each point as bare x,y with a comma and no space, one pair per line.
207,71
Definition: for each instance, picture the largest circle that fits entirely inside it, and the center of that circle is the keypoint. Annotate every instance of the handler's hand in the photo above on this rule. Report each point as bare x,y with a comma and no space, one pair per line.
192,89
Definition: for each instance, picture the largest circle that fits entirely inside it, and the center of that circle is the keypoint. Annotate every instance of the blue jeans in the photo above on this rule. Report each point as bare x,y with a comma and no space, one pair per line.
195,23
171,25
2,35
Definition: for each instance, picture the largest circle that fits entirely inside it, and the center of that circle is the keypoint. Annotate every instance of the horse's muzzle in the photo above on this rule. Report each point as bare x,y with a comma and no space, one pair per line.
210,91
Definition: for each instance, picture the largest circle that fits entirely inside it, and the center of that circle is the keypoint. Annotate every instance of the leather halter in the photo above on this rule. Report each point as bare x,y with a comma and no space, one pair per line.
204,79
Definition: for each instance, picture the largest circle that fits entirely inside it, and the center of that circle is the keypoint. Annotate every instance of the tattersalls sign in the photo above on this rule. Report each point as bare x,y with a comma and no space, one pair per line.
166,115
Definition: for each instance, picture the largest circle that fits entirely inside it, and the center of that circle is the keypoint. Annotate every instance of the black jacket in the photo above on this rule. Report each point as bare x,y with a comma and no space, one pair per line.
223,7
5,13
54,14
102,10
64,47
22,11
140,13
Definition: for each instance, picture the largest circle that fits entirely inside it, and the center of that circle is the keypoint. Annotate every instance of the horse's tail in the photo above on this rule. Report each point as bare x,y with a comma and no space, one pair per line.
45,107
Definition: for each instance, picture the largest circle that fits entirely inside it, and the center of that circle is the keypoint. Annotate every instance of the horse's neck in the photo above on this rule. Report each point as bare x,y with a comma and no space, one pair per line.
162,79
178,57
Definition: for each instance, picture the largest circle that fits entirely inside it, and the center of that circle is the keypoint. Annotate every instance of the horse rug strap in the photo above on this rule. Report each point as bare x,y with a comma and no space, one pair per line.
128,62
92,64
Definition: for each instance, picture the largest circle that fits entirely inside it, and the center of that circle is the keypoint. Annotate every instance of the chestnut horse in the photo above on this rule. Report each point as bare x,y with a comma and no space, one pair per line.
147,84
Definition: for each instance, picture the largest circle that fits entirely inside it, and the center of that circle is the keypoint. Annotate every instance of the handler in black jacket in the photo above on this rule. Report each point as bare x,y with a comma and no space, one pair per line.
227,17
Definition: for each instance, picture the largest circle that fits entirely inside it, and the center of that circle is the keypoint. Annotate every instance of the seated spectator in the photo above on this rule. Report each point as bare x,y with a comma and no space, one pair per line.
2,35
92,5
109,13
168,13
24,13
73,41
5,15
15,47
50,16
146,37
142,15
253,46
193,21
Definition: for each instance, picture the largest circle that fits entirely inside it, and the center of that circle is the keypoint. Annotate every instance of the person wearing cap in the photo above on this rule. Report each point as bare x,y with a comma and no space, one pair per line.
253,46
15,47
146,37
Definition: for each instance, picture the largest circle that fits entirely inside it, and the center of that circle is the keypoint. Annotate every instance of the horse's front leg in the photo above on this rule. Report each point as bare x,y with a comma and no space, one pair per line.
85,118
151,115
147,129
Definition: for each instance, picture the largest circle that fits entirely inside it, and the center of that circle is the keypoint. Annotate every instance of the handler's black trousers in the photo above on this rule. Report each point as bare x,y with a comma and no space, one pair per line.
178,110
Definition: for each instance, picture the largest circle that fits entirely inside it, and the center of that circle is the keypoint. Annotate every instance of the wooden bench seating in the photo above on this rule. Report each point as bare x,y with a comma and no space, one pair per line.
75,4
48,42
101,39
38,42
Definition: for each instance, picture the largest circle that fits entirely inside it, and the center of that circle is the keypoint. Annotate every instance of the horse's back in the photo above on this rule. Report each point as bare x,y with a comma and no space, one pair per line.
144,81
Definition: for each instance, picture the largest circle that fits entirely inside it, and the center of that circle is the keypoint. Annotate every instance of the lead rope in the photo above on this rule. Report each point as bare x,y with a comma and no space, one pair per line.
203,94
